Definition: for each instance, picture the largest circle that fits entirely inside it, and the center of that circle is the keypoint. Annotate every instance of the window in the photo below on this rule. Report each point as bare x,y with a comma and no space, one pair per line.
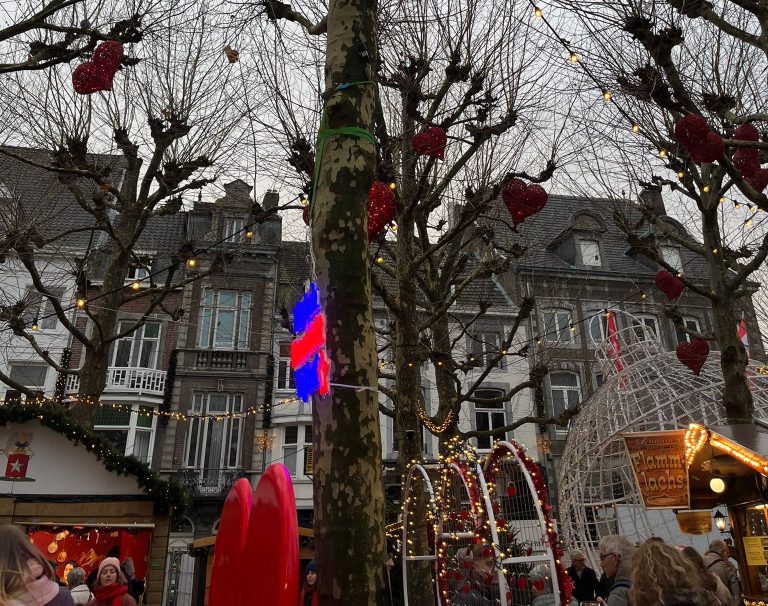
598,326
599,380
671,256
489,415
233,229
140,348
130,428
564,390
683,337
295,451
426,437
484,346
286,381
645,327
590,253
556,325
39,308
214,443
29,375
225,318
137,273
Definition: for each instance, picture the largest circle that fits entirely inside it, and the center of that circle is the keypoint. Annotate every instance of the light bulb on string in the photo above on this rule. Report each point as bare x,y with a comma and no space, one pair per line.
662,153
635,128
607,95
680,174
537,12
35,325
574,58
706,189
81,303
135,286
192,263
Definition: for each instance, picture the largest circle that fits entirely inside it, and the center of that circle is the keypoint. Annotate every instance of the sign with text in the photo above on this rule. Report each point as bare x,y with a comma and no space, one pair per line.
755,549
658,462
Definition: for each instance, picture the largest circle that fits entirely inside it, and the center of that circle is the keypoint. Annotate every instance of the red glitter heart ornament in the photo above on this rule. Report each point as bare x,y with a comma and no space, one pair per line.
538,584
708,151
381,208
747,161
693,354
522,583
758,181
669,284
691,130
109,54
511,490
746,132
89,78
430,142
523,201
465,587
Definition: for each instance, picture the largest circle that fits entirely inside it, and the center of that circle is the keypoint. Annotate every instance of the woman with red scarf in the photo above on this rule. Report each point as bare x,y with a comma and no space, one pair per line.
111,588
308,595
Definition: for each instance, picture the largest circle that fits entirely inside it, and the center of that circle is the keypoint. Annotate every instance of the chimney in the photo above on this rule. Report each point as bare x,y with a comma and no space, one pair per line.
271,199
652,199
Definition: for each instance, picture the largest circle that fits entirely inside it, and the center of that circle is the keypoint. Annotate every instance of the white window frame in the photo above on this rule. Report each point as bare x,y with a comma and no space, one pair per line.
210,312
137,273
302,450
491,412
589,260
691,324
136,342
200,429
672,256
234,229
597,321
567,391
285,379
561,331
40,308
646,320
133,429
29,364
485,345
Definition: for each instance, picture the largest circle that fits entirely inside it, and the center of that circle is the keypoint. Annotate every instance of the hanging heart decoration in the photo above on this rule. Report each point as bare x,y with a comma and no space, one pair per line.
746,132
511,490
305,214
670,285
758,181
693,354
710,150
691,130
522,583
538,584
523,201
381,208
430,142
94,76
747,161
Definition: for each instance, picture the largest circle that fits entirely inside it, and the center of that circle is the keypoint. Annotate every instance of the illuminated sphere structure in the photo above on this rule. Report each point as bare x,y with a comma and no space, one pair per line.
652,392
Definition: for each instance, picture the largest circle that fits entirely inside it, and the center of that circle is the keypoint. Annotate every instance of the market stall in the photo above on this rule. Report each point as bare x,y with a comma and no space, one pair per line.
78,499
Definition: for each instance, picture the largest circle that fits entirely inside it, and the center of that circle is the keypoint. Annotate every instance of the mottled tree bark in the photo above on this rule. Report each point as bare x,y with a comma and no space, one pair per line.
348,485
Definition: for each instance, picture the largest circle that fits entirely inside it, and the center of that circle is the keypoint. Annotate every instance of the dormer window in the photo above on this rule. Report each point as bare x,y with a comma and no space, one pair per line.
233,229
137,273
671,256
590,253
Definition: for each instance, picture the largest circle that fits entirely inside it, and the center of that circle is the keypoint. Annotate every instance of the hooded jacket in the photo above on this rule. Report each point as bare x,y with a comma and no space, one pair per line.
726,572
81,594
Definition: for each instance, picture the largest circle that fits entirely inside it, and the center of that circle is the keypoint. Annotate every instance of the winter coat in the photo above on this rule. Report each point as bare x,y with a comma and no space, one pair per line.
689,597
126,600
548,599
81,594
727,573
304,595
619,591
585,588
723,594
63,598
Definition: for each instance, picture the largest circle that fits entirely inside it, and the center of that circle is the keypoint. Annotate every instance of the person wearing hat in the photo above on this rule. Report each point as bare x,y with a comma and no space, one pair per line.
111,588
308,595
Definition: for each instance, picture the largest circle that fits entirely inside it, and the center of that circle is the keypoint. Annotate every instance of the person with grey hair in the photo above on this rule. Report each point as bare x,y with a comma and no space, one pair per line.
716,560
77,588
616,561
584,578
541,586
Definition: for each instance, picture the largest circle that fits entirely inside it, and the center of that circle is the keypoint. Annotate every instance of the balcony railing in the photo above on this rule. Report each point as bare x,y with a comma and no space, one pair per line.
128,380
208,482
221,360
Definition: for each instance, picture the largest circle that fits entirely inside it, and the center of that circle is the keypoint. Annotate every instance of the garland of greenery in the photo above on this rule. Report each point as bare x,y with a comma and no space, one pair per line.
169,496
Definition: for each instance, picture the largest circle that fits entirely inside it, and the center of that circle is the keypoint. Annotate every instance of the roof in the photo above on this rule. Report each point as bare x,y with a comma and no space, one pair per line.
541,233
38,199
163,235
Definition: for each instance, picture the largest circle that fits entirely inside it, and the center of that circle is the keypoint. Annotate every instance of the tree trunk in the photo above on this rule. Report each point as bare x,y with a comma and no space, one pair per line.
348,484
737,398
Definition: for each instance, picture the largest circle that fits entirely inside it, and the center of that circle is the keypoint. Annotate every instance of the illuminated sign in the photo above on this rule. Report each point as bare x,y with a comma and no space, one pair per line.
658,460
309,359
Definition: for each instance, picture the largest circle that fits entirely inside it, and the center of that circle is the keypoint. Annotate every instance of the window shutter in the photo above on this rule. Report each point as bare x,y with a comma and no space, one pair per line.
309,460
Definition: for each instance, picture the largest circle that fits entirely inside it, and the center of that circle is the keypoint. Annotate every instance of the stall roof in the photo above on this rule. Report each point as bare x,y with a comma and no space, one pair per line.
747,443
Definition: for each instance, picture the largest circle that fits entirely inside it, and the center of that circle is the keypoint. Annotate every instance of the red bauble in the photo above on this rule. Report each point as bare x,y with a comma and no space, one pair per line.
708,151
464,514
670,285
511,490
693,354
109,55
747,161
523,201
467,564
305,214
691,130
89,78
457,575
381,208
758,181
538,584
431,142
746,132
487,552
529,551
522,583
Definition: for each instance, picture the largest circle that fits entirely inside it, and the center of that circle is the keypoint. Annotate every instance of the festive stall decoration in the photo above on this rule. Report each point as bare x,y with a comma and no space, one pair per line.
670,285
523,200
381,208
309,360
94,76
693,354
430,142
482,542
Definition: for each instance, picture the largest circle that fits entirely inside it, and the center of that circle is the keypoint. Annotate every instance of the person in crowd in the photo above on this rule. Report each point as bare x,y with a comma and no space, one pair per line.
26,577
81,595
135,585
308,595
708,578
483,579
54,566
541,587
663,576
111,588
616,561
112,552
585,583
604,585
716,560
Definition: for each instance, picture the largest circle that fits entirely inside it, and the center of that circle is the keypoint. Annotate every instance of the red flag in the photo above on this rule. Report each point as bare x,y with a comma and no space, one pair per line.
613,338
743,335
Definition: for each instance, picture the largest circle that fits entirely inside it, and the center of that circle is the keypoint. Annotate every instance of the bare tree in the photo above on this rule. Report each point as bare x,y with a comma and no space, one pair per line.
657,63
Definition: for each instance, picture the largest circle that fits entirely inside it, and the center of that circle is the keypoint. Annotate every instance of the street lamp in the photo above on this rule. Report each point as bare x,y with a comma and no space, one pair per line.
720,521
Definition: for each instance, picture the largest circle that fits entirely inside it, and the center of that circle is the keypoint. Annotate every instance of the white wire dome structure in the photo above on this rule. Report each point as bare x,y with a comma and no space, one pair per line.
653,391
